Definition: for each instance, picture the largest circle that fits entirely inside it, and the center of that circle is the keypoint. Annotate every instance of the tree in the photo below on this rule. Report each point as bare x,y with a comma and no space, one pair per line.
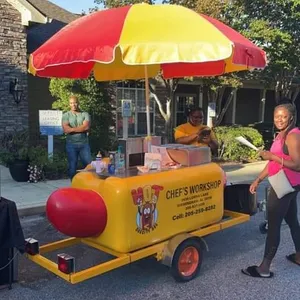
95,98
165,105
273,25
218,84
214,8
118,3
186,3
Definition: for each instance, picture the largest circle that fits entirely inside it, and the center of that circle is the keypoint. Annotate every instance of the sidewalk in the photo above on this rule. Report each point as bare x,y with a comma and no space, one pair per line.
31,198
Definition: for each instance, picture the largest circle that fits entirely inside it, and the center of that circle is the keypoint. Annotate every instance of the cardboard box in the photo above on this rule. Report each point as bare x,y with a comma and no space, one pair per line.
188,155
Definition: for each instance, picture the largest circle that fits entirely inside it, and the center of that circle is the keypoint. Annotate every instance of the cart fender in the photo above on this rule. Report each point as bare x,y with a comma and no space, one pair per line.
170,248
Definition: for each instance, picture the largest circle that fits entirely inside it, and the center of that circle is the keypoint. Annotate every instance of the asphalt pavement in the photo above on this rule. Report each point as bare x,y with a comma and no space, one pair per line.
220,276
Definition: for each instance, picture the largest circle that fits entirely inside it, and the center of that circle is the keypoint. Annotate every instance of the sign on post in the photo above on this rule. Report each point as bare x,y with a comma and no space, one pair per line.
126,108
211,113
50,125
126,113
212,109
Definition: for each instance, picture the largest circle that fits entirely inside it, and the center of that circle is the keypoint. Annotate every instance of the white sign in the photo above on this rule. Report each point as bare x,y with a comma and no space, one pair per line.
126,108
50,122
211,109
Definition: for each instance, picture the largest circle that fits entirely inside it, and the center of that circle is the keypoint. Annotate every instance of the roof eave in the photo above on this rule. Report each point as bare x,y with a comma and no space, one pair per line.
28,12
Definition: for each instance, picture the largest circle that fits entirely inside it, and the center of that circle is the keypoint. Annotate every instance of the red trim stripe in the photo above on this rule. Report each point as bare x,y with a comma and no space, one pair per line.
66,47
245,52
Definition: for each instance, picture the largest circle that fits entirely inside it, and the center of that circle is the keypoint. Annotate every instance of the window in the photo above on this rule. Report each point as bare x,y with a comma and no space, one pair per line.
182,102
134,91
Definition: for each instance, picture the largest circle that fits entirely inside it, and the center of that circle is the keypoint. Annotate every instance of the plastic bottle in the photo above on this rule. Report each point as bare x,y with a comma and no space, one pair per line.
99,165
111,165
120,164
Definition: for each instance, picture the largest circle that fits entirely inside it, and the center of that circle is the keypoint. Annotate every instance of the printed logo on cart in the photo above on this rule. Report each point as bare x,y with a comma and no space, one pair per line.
145,198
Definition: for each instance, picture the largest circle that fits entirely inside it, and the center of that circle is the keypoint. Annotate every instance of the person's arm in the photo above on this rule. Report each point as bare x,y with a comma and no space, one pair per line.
187,139
213,143
79,129
293,144
182,137
210,140
262,175
67,128
66,125
82,128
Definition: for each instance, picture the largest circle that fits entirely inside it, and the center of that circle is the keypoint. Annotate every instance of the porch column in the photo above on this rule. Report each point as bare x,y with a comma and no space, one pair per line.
262,105
201,95
234,106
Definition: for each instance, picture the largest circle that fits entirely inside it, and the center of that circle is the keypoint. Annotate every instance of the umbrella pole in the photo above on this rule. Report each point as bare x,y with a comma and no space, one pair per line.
147,96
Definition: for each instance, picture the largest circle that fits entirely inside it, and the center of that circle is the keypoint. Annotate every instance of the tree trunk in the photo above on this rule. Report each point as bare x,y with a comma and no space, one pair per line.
169,121
225,108
166,138
295,94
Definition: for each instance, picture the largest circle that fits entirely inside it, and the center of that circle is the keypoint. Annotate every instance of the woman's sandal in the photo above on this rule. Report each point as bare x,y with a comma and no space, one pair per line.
252,271
292,258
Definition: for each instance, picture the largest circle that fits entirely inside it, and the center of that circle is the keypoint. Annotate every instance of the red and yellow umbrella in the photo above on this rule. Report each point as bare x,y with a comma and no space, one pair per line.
141,40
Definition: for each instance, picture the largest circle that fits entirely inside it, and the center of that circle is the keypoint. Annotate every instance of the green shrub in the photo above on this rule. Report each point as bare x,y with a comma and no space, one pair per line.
14,146
232,150
56,168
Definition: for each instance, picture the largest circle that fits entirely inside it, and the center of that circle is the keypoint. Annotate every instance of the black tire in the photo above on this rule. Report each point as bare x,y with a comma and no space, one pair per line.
175,269
263,227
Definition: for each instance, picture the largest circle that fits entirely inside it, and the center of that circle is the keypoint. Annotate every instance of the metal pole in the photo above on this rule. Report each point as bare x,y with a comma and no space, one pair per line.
147,109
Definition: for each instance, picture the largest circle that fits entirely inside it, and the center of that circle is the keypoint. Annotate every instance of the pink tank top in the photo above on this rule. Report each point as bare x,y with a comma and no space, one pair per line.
274,167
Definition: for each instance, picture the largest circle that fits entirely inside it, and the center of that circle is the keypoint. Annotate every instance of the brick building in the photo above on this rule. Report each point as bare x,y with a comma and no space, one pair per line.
24,26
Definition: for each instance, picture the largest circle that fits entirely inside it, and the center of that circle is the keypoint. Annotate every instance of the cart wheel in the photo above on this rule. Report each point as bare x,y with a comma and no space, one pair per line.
263,227
187,260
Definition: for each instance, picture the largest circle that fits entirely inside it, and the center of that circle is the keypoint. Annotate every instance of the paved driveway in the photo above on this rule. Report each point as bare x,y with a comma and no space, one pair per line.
220,276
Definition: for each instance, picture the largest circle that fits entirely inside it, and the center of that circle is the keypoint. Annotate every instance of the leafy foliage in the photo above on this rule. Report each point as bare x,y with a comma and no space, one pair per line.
14,146
56,168
118,3
232,150
274,26
94,98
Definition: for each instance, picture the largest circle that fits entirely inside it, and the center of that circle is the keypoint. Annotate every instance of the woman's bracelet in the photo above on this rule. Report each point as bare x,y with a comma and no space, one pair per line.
259,179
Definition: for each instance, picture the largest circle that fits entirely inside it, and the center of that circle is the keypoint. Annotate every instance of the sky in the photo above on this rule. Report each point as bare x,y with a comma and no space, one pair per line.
75,6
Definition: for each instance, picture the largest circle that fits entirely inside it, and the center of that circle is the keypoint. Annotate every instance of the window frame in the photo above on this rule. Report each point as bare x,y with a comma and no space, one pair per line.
177,96
133,87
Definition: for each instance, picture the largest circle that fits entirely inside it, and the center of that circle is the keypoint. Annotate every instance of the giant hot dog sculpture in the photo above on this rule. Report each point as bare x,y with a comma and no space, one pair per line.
126,214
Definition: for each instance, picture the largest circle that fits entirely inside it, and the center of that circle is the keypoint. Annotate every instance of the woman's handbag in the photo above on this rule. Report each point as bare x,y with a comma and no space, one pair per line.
280,183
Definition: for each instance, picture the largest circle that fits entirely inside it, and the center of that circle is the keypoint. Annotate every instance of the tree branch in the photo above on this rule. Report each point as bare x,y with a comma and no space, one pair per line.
168,106
175,85
289,85
160,107
228,101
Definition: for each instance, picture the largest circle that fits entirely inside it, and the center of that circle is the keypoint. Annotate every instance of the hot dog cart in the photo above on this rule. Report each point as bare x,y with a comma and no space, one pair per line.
163,213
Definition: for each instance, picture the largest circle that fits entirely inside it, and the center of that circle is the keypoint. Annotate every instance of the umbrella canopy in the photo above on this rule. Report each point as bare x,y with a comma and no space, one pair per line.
117,44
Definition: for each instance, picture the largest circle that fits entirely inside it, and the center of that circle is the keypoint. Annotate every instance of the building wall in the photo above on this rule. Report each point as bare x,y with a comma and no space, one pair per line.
13,64
247,106
39,98
270,104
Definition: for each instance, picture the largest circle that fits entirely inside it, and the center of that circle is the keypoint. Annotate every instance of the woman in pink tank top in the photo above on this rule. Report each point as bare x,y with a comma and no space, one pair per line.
284,153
